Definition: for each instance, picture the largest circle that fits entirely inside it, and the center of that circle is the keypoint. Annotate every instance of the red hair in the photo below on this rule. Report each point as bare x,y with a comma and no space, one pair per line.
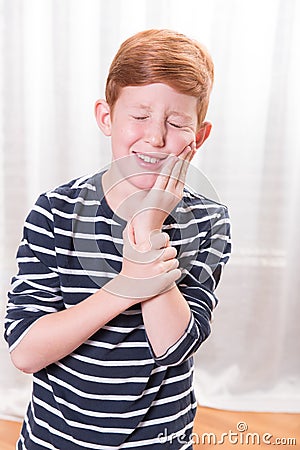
162,56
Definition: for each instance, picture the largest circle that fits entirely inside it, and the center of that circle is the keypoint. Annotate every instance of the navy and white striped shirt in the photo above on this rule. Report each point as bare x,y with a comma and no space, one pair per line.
112,392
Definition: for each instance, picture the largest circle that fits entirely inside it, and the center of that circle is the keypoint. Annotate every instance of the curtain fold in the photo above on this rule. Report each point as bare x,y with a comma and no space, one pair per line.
54,60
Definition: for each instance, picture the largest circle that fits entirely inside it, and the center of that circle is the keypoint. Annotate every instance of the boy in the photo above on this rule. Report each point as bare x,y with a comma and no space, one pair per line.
117,271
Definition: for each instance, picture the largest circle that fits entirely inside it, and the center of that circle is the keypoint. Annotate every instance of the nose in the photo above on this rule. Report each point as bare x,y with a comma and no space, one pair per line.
155,134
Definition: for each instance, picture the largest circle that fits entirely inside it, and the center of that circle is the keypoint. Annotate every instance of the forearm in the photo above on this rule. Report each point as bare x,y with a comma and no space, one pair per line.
166,318
58,334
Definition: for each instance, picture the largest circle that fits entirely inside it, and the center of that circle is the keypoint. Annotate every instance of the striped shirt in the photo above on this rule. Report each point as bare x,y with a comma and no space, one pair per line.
112,392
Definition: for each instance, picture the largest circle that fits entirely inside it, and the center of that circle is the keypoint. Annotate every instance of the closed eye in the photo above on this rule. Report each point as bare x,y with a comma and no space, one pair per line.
140,117
175,125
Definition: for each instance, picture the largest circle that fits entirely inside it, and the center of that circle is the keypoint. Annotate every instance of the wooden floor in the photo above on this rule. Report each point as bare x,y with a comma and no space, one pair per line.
9,432
246,426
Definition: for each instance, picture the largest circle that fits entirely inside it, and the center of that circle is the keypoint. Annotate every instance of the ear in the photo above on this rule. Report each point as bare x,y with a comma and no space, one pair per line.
103,117
203,133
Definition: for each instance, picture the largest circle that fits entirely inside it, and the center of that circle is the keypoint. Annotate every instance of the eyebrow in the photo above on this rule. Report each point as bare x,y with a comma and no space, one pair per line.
180,114
170,113
140,105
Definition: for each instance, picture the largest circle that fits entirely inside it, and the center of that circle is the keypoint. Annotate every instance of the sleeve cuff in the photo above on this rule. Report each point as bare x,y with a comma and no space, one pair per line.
179,351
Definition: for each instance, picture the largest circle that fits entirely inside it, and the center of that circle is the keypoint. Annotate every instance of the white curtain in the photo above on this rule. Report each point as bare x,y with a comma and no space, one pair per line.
54,59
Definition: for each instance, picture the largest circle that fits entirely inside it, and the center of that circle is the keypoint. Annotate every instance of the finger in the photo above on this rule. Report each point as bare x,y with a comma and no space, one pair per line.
187,157
128,235
170,278
142,289
188,154
177,172
183,172
162,283
166,170
187,160
170,265
159,240
169,253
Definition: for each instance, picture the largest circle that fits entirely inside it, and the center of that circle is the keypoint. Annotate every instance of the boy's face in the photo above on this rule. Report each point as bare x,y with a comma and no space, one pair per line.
148,123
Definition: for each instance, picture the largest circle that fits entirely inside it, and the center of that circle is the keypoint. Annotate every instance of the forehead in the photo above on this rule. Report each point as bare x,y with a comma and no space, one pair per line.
158,96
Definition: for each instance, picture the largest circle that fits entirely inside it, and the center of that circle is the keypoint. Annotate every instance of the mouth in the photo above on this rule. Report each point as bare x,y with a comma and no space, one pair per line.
151,160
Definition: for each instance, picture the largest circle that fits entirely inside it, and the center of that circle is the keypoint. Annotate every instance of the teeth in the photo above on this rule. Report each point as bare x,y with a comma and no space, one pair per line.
148,159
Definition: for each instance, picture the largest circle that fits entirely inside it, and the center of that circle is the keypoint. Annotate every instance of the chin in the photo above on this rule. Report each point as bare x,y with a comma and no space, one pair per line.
144,181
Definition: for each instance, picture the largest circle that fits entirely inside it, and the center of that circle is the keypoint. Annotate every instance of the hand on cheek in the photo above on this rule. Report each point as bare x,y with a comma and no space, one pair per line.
158,202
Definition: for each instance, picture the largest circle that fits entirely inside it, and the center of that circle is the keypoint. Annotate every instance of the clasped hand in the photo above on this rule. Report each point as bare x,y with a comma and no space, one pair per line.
149,264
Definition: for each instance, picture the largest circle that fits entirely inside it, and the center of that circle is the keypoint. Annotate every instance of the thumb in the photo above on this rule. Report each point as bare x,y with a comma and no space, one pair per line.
128,235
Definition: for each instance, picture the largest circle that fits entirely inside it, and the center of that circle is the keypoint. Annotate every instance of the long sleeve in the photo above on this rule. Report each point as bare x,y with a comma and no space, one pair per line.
202,268
35,290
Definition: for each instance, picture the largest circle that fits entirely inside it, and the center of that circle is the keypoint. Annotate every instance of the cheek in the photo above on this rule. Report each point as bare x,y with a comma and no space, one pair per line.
123,138
129,134
178,141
